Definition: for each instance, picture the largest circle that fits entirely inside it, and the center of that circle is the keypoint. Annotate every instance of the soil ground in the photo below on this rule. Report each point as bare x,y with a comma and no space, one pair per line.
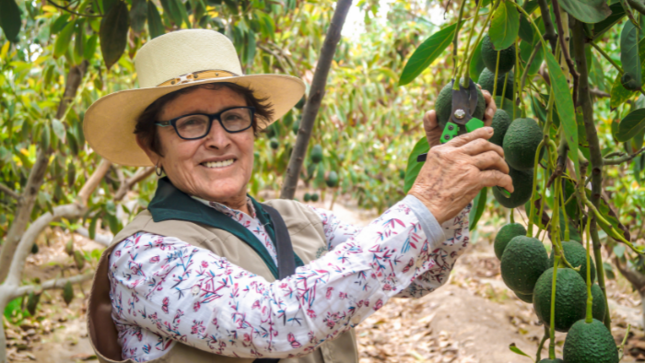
473,318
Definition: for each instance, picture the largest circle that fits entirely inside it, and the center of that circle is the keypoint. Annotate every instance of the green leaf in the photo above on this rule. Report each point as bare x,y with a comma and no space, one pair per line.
59,24
90,47
414,167
250,48
629,57
10,19
618,94
59,130
505,25
182,11
587,11
631,125
479,204
79,41
114,33
155,26
172,11
526,30
138,14
564,106
617,13
609,271
517,350
426,53
63,40
476,63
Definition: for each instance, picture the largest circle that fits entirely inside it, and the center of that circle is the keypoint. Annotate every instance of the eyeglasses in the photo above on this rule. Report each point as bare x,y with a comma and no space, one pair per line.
197,125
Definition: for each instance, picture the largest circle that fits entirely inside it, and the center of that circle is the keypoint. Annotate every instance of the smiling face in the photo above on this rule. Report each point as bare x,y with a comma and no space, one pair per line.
217,167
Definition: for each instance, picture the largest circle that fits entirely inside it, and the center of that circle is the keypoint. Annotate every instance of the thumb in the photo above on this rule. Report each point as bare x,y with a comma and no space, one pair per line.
485,132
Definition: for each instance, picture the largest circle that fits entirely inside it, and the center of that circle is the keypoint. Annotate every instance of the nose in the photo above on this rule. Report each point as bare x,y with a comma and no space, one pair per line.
217,137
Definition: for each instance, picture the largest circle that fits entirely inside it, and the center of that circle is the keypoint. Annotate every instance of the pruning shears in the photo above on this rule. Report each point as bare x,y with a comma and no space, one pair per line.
464,102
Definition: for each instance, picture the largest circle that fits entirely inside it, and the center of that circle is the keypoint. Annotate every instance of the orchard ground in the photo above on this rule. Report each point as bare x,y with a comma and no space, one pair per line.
473,318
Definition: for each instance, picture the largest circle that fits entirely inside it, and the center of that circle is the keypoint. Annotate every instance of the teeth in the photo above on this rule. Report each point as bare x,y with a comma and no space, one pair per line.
218,164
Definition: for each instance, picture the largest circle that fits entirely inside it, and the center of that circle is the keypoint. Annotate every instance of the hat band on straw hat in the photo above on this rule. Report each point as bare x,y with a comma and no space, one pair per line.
197,76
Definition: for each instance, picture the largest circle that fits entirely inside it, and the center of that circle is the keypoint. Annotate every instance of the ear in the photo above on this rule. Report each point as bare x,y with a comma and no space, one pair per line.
153,156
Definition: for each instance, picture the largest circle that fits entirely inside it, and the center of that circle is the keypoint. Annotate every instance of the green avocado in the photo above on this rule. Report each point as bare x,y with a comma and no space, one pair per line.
521,142
523,184
307,197
332,179
599,308
489,56
523,297
487,81
316,153
523,261
570,298
274,143
314,197
501,122
505,235
443,105
590,343
577,256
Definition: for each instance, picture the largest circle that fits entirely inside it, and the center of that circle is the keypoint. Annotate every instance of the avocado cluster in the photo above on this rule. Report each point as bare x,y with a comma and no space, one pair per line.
528,271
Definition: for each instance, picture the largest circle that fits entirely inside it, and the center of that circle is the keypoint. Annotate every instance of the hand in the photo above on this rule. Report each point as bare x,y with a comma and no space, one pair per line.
456,171
433,131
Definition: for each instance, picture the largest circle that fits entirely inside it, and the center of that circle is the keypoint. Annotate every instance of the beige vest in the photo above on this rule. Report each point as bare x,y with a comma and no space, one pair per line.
309,243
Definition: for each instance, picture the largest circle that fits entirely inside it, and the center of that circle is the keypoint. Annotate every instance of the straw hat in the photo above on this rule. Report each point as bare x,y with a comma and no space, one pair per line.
168,63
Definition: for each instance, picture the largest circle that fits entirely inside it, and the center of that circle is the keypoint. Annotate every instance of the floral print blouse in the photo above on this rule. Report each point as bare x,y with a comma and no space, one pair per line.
165,291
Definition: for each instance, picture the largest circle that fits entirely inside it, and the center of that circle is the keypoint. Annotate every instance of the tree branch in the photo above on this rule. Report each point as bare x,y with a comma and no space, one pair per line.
36,177
565,48
276,56
72,11
93,181
8,191
598,93
140,175
584,100
51,284
635,278
548,24
103,239
621,159
314,100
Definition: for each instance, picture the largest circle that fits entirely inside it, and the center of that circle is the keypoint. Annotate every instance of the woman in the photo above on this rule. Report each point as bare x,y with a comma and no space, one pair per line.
199,276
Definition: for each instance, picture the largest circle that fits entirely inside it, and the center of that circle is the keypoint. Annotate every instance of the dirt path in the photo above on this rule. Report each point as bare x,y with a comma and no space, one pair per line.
473,318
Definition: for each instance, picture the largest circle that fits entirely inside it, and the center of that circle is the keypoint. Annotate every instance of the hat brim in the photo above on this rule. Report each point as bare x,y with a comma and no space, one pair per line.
109,123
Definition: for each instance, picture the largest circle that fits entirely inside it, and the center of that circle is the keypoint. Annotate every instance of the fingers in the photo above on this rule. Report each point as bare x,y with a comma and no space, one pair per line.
491,178
430,124
491,108
481,133
490,160
432,129
481,146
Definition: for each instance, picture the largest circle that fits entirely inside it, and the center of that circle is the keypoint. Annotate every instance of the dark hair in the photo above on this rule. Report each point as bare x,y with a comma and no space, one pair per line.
146,130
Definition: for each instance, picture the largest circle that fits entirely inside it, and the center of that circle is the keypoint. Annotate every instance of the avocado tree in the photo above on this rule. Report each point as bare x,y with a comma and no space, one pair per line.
545,62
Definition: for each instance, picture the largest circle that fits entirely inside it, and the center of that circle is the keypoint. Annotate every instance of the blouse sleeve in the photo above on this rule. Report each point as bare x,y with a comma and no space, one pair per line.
179,292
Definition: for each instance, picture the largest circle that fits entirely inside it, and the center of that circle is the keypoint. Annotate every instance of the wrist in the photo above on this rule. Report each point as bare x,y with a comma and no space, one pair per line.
433,208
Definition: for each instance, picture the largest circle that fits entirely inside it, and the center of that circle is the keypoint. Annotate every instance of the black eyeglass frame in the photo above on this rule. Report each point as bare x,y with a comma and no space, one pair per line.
211,117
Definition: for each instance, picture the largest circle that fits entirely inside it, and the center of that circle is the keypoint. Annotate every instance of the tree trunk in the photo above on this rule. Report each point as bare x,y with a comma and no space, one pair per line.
316,94
36,177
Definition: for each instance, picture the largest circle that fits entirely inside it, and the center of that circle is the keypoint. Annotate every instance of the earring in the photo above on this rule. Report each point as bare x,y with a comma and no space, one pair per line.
158,169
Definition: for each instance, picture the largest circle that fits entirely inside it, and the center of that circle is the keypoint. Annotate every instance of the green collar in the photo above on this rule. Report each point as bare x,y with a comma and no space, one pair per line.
170,203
